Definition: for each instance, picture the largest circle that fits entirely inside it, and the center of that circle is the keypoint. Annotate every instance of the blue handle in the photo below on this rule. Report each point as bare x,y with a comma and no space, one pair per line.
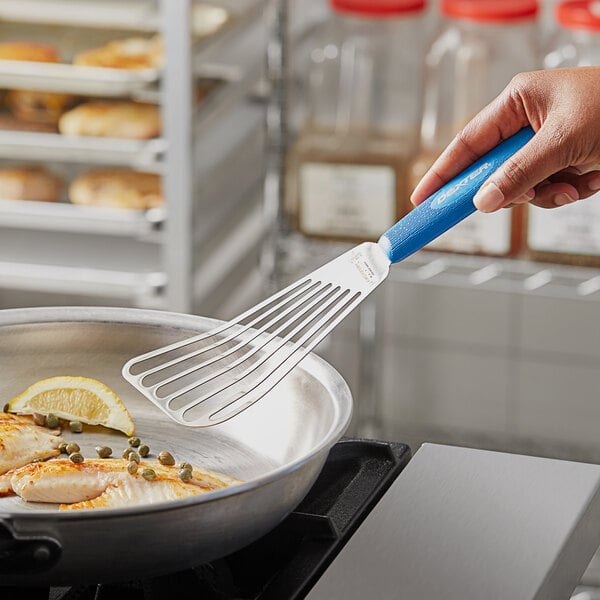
449,205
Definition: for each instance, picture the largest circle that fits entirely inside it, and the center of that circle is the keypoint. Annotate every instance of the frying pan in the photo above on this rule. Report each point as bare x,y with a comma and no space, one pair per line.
277,448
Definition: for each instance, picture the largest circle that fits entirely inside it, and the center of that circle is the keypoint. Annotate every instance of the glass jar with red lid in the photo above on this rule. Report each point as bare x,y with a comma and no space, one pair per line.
570,234
363,90
481,46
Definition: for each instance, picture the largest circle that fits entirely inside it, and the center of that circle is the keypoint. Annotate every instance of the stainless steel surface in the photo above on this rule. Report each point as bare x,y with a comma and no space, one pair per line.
461,523
277,448
208,379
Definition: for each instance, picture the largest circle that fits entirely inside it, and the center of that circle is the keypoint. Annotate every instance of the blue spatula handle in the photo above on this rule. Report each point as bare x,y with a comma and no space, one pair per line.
450,204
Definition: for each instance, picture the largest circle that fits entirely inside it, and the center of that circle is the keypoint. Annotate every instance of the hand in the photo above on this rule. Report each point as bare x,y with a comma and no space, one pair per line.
560,165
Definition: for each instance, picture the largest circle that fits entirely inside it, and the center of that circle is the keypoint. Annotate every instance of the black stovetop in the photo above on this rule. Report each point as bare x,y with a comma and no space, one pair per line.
284,564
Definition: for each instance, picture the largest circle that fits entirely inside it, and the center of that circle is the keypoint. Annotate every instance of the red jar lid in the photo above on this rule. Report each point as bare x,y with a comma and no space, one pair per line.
579,14
491,11
378,8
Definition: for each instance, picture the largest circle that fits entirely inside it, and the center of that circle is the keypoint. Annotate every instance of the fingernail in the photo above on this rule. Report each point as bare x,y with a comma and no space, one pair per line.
488,198
562,199
530,194
594,183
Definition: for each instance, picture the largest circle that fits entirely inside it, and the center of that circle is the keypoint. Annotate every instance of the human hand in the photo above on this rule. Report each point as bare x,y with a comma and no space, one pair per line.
559,165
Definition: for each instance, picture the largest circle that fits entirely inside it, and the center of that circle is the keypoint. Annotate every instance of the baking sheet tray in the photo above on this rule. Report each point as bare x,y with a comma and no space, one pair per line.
75,79
140,15
140,154
63,216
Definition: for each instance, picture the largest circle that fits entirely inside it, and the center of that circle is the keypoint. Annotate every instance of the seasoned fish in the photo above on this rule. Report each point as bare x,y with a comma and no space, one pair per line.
22,441
105,483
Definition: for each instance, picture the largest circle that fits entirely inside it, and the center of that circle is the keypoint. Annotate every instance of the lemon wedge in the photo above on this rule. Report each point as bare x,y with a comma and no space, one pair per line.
75,399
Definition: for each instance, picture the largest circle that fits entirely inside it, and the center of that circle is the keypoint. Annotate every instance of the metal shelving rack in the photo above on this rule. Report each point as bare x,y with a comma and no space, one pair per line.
154,258
432,268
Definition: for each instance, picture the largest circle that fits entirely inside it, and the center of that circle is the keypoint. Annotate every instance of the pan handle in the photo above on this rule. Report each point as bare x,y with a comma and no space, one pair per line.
26,553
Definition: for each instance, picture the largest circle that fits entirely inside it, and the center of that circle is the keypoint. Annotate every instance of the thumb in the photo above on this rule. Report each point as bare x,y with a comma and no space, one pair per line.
540,158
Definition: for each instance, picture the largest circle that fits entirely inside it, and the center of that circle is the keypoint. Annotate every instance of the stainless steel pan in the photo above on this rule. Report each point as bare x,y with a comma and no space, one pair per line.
277,447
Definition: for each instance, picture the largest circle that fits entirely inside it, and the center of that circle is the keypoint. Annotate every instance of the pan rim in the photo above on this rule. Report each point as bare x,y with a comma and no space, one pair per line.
151,317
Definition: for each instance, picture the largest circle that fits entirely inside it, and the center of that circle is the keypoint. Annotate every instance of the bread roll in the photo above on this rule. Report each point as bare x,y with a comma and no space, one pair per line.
129,53
114,188
131,120
28,51
208,19
30,183
37,107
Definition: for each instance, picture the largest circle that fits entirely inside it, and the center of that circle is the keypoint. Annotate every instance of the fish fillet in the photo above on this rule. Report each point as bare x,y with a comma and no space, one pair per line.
105,483
22,441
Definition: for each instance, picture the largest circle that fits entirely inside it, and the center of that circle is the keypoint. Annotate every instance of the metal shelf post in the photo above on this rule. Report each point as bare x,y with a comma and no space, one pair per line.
177,113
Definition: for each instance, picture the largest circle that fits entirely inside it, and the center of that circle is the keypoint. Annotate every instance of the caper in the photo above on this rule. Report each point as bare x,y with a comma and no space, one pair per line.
63,448
103,451
5,408
166,458
132,467
134,442
39,419
143,450
184,474
72,447
36,460
126,453
75,426
148,474
186,465
52,421
76,457
134,456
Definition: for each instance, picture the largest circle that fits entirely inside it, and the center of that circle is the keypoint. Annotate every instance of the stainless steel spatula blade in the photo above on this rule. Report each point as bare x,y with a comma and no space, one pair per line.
208,379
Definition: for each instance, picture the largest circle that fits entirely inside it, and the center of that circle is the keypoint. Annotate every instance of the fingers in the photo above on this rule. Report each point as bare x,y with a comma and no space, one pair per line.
543,156
499,120
565,188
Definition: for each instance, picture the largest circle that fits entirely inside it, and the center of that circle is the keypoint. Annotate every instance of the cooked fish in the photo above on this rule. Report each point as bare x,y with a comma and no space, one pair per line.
105,483
22,441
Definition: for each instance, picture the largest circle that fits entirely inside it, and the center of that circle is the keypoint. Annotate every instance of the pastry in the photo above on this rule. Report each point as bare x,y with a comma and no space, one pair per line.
28,51
208,19
114,188
128,53
30,183
37,107
132,120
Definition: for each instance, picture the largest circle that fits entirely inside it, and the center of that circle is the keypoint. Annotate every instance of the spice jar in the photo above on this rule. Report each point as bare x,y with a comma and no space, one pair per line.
347,169
481,46
570,234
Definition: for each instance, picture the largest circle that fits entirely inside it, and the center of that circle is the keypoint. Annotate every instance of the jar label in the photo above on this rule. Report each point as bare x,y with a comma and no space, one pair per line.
570,229
478,234
347,200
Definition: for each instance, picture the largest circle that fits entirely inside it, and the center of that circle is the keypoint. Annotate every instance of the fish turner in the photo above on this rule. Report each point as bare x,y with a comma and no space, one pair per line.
209,378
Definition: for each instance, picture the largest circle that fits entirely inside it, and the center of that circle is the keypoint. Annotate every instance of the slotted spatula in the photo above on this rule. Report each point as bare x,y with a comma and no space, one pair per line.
207,379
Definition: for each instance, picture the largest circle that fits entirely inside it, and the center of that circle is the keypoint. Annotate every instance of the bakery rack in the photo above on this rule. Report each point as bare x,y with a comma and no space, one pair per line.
157,258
